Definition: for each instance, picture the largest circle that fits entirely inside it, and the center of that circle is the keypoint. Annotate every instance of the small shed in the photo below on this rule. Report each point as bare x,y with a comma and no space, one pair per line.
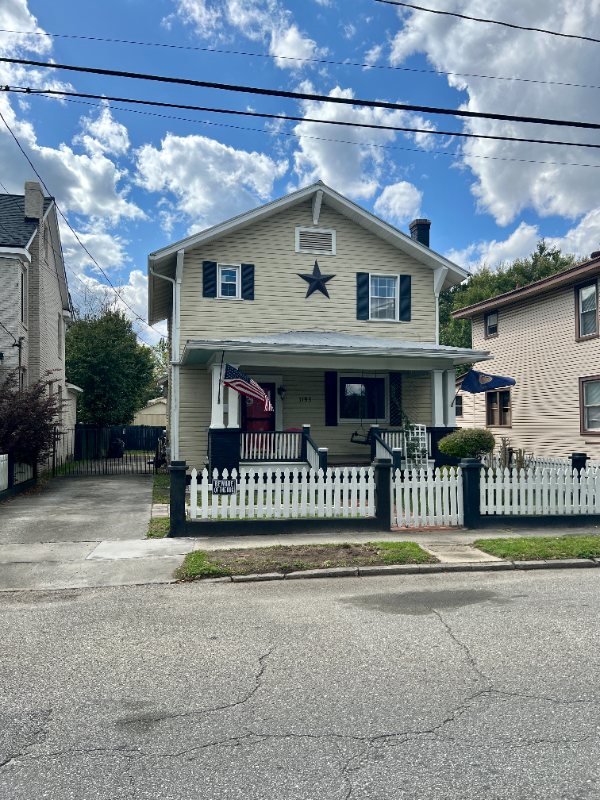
154,413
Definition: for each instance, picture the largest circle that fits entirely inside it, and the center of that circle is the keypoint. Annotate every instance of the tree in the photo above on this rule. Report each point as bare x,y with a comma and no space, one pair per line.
486,283
162,358
105,359
28,418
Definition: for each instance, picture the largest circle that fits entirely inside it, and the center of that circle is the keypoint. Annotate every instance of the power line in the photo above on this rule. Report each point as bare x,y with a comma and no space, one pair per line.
337,141
303,95
283,117
297,58
491,21
73,231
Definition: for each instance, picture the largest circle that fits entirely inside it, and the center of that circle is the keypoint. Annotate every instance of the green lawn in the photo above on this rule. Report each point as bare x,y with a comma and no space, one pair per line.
158,528
160,490
284,558
542,547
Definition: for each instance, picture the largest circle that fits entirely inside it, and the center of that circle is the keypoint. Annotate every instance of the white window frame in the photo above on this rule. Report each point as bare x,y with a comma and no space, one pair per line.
238,286
24,298
359,377
397,310
317,252
61,331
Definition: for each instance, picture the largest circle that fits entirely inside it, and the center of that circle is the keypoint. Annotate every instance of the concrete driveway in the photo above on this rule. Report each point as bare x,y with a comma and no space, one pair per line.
80,509
426,687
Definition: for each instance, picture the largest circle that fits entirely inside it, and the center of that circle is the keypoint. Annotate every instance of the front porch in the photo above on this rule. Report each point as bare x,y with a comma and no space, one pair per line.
339,400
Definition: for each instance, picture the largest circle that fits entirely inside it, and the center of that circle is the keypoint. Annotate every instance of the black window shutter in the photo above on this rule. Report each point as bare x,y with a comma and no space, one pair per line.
209,278
248,281
331,415
405,300
362,295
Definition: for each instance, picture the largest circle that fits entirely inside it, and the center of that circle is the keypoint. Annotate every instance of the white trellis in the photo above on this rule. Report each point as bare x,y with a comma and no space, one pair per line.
427,497
540,491
288,493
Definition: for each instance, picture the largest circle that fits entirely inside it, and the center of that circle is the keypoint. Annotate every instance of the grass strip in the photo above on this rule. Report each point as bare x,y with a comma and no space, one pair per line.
541,547
295,558
161,488
158,527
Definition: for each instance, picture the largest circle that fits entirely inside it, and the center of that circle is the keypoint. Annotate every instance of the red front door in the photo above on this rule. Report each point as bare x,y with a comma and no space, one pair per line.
254,416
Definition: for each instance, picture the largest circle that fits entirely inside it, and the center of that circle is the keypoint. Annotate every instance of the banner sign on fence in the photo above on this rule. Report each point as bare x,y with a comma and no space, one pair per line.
224,487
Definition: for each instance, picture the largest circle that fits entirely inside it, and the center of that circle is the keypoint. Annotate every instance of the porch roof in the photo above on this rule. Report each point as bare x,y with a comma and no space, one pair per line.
322,343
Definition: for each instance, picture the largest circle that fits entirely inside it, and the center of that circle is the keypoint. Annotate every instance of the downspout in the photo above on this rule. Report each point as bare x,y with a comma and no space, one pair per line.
175,341
439,276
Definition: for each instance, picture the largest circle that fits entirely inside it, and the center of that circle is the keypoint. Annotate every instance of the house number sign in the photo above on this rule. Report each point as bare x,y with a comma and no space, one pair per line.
305,399
224,487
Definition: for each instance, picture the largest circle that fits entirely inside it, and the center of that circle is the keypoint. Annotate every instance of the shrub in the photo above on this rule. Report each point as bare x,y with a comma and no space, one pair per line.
467,443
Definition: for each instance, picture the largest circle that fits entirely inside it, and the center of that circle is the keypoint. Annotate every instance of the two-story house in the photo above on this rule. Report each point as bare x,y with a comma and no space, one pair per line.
35,306
333,311
545,336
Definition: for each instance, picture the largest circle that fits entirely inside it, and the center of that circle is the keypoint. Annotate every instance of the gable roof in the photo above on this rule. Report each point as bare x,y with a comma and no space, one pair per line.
572,275
449,273
16,229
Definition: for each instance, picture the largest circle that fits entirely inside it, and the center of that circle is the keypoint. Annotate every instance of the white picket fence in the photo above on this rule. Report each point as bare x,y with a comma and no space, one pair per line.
3,472
427,497
285,493
540,491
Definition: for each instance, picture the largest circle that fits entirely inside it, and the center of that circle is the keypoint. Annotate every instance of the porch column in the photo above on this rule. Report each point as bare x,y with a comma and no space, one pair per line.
216,419
437,398
233,408
449,393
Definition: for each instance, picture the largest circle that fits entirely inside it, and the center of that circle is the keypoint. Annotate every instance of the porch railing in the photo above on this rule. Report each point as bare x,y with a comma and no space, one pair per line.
392,443
271,446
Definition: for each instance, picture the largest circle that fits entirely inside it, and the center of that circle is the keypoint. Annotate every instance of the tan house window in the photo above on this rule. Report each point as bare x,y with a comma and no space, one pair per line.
589,402
586,311
498,409
459,406
491,324
229,281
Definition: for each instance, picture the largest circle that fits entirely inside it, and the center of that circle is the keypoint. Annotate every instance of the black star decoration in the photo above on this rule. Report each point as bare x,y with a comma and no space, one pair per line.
316,280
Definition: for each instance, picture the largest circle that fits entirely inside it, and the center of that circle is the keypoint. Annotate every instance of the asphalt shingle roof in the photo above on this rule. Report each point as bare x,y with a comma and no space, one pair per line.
15,229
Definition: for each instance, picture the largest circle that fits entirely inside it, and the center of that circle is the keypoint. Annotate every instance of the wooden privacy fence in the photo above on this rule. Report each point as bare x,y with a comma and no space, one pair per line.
427,497
540,491
289,493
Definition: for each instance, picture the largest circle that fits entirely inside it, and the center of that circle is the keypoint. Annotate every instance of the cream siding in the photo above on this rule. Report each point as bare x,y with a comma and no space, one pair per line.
280,302
536,346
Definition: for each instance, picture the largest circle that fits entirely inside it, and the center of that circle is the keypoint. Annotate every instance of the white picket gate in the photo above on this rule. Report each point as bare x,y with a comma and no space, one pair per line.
540,491
427,497
3,471
289,493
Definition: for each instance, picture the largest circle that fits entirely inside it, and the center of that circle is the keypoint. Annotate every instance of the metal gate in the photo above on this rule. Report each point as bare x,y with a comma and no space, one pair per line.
119,450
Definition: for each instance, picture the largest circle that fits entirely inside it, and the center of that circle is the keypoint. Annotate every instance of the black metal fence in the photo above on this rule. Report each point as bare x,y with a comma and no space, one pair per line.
119,450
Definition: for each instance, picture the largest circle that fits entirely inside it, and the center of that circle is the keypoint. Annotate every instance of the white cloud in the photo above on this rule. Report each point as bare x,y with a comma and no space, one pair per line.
109,250
349,30
15,16
503,188
210,180
373,55
103,134
259,20
399,203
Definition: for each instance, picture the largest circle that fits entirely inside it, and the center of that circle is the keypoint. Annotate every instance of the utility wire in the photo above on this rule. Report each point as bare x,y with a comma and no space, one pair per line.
10,334
491,21
296,58
337,141
302,95
283,117
73,231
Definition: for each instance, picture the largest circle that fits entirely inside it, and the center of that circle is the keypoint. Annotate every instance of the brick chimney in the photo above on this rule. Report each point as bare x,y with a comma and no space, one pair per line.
34,200
419,230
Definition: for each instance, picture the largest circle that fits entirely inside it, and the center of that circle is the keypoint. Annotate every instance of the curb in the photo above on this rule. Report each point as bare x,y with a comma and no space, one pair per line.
412,569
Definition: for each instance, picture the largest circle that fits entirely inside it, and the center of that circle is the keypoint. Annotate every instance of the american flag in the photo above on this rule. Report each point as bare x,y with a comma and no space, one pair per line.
245,385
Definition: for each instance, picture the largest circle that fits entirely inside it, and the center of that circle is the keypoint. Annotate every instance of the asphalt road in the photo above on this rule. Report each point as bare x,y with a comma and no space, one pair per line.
79,509
431,687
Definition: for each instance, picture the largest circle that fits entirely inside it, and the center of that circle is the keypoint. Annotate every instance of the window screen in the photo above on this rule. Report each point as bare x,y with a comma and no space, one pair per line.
588,318
591,405
362,398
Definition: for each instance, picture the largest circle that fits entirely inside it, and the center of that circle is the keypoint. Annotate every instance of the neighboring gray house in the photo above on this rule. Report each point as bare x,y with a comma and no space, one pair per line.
35,306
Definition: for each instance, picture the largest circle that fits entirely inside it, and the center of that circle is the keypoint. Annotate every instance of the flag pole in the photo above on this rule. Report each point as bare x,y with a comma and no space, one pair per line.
220,378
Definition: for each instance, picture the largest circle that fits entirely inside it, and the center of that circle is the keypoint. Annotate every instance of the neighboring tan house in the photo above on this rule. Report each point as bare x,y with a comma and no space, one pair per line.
545,336
35,306
154,413
333,311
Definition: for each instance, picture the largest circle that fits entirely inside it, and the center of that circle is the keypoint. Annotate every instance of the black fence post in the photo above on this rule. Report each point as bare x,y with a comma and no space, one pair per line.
323,458
397,459
54,435
373,443
11,470
471,473
305,435
177,470
383,492
578,461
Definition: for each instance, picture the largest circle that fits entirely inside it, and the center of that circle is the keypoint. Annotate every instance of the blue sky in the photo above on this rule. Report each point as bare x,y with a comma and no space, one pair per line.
131,183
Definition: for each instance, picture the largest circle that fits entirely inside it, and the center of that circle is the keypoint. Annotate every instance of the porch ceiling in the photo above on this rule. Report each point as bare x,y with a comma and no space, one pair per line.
311,349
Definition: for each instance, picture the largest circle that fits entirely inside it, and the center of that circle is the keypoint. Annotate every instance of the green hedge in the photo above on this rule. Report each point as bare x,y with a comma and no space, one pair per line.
467,443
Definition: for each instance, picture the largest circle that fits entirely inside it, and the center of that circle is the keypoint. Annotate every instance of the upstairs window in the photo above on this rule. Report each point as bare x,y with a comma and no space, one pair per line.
384,297
586,305
320,241
590,405
229,281
491,324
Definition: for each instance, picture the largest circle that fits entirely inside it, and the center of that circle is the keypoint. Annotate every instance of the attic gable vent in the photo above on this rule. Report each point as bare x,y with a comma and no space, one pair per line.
320,241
